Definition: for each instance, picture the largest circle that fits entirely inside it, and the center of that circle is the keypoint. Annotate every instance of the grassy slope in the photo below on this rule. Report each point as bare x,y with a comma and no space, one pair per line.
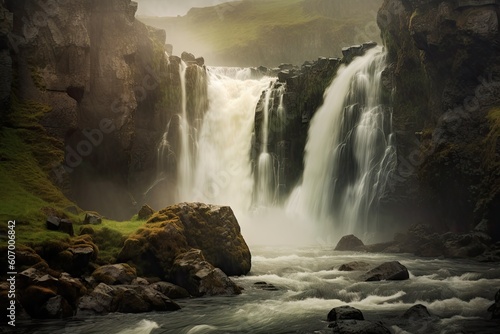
230,29
27,154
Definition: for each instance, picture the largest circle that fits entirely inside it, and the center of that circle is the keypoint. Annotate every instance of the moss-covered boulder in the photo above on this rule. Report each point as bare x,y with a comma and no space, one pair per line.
114,274
176,229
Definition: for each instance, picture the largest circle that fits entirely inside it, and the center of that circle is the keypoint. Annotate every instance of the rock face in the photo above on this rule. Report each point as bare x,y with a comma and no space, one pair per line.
110,91
445,74
177,229
349,243
390,271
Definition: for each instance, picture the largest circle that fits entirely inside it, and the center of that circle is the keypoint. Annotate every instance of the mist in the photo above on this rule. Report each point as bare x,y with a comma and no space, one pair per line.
172,7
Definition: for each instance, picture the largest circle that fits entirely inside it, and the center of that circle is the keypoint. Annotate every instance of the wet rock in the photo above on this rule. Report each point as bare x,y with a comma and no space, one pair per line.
390,271
416,312
92,219
200,278
115,274
145,212
354,266
170,290
495,308
265,286
349,243
358,327
125,299
345,313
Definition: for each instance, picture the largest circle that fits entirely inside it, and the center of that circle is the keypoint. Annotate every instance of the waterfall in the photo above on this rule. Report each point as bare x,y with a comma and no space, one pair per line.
349,152
267,173
223,173
185,165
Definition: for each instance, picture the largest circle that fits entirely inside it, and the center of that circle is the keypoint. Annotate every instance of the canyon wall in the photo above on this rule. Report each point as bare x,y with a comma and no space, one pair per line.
444,75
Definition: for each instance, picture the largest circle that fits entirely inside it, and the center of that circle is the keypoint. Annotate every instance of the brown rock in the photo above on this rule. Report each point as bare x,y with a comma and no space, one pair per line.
146,212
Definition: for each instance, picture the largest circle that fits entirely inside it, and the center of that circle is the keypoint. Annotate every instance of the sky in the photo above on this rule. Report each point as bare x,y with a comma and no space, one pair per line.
172,7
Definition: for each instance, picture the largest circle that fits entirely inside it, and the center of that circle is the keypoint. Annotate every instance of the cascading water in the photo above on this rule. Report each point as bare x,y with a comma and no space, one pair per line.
349,153
185,165
223,172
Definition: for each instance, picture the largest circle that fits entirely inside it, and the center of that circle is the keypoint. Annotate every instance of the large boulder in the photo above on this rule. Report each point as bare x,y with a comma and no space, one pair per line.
417,312
192,272
177,229
115,274
390,271
350,243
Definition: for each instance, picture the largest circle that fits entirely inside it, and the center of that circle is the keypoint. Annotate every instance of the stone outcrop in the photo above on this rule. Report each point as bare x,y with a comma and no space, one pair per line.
445,72
177,229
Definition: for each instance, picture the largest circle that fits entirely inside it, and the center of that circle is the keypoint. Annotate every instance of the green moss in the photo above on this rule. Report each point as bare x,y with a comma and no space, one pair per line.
27,153
110,237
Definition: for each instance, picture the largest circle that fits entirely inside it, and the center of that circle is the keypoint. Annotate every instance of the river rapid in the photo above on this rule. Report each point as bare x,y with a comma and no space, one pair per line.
308,285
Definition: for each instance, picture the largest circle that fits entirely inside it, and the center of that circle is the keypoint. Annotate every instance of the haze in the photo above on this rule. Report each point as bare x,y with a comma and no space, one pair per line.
172,7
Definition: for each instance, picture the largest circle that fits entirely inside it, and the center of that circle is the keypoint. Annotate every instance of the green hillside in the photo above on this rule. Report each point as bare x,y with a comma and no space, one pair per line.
269,32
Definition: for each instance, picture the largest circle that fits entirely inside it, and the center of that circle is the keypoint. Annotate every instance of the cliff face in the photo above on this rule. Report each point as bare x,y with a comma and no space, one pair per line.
110,90
445,72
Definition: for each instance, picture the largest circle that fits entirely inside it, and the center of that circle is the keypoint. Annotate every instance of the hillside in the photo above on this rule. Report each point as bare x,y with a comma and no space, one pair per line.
258,32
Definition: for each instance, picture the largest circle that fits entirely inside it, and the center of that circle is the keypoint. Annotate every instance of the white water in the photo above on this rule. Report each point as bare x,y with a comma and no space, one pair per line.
348,153
457,294
185,166
223,173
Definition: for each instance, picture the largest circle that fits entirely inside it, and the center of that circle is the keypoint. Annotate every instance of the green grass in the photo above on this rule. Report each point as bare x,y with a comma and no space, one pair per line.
26,155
